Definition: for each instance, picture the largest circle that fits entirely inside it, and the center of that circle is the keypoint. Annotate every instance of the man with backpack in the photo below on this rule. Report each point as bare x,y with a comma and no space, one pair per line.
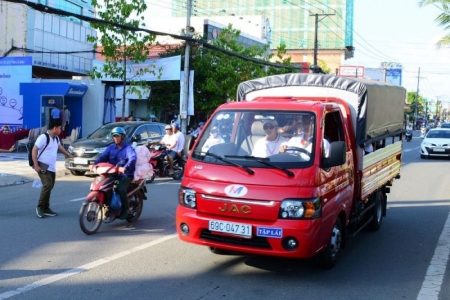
43,156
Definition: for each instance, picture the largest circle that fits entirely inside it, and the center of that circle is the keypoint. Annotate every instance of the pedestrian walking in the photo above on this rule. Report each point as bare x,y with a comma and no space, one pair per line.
44,154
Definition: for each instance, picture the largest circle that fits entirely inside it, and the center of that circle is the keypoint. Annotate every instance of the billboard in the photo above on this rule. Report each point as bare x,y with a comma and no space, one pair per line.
393,76
351,71
13,71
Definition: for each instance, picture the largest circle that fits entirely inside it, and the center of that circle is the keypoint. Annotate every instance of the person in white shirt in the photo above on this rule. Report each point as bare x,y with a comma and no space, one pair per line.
44,156
170,141
270,144
304,139
180,138
213,139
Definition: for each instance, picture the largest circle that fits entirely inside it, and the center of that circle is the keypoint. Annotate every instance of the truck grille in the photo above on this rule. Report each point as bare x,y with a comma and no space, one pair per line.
254,242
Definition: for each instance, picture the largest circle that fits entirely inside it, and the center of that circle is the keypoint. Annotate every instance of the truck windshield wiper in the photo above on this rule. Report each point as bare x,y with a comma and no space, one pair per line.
249,171
265,161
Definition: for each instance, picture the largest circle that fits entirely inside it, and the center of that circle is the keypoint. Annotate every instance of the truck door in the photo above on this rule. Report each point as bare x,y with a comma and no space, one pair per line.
336,182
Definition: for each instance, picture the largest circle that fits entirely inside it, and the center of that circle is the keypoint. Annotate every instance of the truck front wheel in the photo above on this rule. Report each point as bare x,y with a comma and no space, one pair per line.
377,212
327,259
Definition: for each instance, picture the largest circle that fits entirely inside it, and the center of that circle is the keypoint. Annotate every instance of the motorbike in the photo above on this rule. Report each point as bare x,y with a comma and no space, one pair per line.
160,164
96,207
408,135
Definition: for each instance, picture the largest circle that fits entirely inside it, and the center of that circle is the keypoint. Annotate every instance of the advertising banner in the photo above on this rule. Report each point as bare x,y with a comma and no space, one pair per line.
13,71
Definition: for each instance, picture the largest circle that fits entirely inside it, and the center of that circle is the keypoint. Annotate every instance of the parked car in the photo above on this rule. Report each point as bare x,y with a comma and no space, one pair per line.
436,143
445,125
87,150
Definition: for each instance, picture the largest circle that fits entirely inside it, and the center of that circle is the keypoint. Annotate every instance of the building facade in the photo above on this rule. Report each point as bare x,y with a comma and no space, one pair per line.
58,45
290,23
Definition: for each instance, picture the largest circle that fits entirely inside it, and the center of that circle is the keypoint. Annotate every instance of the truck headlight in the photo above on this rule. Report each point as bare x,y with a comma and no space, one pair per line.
186,197
300,209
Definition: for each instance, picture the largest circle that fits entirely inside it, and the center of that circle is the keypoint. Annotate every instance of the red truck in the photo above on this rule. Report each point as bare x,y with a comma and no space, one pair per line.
293,167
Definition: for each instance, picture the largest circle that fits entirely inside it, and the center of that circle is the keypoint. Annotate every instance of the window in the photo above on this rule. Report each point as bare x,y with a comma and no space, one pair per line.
154,130
142,130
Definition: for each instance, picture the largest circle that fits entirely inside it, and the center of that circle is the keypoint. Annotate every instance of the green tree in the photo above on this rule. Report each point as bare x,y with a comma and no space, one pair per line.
412,101
122,46
222,73
443,19
218,74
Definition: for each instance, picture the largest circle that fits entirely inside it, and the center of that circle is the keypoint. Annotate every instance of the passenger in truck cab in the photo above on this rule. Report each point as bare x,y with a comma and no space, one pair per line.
304,137
270,144
213,139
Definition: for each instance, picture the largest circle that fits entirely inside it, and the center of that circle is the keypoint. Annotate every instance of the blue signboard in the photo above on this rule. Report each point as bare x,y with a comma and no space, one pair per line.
13,71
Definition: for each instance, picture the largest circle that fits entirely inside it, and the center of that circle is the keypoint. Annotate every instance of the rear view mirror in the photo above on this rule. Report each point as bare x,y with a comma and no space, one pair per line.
337,155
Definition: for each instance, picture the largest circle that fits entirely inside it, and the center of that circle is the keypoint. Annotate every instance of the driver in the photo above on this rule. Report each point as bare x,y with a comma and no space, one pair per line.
271,143
122,155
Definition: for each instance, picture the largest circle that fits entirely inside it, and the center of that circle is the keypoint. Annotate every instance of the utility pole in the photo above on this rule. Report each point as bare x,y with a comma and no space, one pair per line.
316,42
187,53
417,98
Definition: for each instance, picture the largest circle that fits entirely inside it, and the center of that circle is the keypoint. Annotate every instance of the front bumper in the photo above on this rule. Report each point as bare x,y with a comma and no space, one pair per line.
435,151
71,165
305,232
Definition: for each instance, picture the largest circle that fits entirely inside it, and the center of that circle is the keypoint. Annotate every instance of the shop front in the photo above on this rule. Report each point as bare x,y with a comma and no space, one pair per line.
39,98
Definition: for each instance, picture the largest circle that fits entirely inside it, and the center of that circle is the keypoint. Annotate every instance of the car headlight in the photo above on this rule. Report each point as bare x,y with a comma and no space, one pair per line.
100,150
186,197
70,149
425,144
300,209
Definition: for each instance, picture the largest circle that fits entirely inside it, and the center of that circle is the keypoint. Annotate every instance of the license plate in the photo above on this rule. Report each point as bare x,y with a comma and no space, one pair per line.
439,150
80,161
231,228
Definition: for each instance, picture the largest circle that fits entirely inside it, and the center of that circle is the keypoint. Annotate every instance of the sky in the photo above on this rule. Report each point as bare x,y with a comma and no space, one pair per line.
391,31
401,31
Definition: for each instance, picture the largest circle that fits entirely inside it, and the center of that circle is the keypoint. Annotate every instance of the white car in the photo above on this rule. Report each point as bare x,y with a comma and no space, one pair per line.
436,143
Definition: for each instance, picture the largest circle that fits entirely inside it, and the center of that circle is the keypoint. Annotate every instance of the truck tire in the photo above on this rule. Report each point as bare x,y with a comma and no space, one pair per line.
377,212
327,259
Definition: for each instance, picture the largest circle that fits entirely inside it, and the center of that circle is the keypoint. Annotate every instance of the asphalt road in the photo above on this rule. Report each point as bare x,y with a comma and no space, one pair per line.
52,258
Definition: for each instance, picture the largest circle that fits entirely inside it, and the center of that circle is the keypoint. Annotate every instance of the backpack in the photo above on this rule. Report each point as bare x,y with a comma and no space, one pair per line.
30,157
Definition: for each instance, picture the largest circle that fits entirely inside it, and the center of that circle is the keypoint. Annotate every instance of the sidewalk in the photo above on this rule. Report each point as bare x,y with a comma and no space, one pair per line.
14,169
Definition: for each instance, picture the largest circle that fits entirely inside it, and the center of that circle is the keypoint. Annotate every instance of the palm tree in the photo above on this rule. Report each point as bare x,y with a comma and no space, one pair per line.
443,19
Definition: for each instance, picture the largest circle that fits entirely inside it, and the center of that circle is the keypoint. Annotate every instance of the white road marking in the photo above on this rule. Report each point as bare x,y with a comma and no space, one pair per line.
82,268
78,199
431,286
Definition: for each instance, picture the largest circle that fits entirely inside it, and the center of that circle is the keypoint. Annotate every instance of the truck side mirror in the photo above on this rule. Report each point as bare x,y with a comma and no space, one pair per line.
337,155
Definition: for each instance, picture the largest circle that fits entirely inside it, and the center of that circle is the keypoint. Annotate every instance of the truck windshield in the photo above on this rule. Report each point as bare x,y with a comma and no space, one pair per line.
282,139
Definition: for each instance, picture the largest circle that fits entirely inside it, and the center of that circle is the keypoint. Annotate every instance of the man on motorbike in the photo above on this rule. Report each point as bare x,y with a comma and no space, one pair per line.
170,140
122,155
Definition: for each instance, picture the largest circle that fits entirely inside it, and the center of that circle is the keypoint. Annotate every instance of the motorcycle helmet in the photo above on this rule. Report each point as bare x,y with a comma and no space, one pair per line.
176,124
168,127
201,123
118,131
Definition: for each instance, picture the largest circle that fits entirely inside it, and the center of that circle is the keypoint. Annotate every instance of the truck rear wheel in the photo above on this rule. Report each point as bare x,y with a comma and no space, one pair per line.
377,212
327,259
